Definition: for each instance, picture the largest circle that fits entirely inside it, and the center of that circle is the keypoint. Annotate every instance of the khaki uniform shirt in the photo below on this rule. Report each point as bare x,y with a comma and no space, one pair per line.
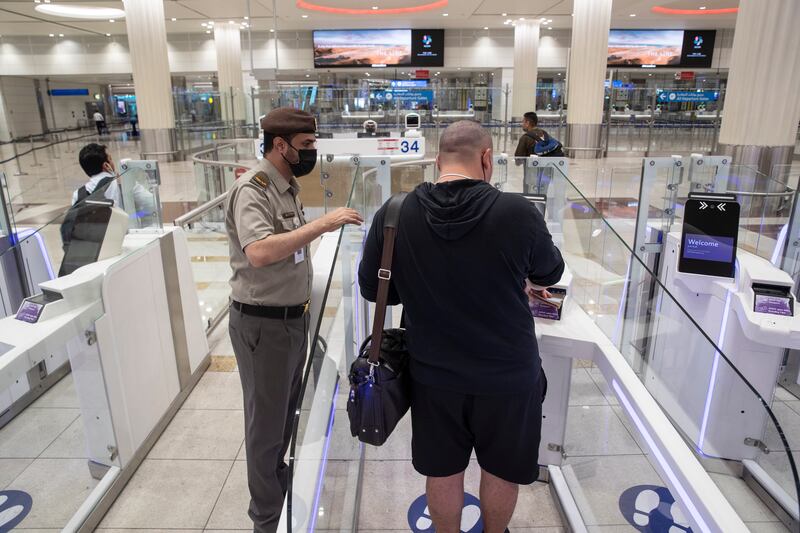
257,208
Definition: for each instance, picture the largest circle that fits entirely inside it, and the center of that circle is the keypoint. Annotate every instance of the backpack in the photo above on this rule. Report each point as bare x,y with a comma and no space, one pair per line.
545,145
68,226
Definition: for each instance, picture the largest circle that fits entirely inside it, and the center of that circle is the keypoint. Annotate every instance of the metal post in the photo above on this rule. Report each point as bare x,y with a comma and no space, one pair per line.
19,171
55,145
608,120
69,142
650,126
33,152
717,122
505,129
253,96
233,114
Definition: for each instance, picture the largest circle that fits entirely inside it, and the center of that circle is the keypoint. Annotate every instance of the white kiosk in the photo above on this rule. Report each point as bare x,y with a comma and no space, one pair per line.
746,307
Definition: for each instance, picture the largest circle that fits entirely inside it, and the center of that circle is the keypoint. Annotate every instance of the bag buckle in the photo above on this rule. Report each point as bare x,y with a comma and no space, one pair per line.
384,274
372,367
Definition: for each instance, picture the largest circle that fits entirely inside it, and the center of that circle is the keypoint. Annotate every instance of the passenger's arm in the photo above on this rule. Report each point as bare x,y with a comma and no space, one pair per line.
522,148
547,265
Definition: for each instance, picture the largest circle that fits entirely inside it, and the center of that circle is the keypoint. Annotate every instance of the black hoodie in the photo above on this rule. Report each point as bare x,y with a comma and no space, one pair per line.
462,253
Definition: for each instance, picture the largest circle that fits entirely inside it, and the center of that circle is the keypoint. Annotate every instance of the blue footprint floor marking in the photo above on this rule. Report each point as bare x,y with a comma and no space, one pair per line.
653,509
14,507
419,516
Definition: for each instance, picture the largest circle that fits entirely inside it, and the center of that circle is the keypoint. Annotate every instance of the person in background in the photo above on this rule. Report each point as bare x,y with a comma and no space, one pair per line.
99,121
99,166
536,141
463,253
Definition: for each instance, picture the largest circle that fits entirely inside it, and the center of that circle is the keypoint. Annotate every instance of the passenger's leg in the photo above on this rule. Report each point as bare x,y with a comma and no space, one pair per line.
498,499
445,501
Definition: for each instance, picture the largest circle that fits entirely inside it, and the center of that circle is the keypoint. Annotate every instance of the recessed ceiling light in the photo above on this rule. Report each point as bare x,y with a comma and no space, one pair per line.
52,35
112,20
486,27
308,75
522,18
210,22
445,14
203,24
572,15
37,1
108,35
703,8
271,30
632,15
374,8
173,19
208,31
549,27
231,22
80,12
504,14
247,18
60,34
304,16
367,73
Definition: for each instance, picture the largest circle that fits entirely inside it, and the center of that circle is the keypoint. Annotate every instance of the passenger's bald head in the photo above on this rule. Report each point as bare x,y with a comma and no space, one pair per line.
462,141
465,149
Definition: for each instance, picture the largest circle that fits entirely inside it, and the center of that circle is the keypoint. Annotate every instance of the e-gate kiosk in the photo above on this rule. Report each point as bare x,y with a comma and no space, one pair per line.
746,307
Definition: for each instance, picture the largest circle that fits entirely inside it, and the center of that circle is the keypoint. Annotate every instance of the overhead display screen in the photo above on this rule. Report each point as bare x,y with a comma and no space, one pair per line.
378,48
661,48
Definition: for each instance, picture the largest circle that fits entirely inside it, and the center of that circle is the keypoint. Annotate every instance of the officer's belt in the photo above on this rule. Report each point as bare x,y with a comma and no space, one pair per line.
265,311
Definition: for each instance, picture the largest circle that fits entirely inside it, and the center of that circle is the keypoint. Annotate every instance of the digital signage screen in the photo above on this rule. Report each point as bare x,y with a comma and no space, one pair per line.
378,48
661,48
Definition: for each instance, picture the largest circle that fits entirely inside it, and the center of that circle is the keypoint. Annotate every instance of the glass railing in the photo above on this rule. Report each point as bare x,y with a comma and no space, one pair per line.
609,454
721,414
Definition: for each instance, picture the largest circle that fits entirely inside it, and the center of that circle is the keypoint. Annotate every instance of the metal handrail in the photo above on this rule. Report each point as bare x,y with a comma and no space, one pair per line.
785,194
198,212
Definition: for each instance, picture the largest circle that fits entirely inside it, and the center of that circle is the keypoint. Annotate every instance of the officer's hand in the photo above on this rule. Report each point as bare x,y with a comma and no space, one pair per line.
338,218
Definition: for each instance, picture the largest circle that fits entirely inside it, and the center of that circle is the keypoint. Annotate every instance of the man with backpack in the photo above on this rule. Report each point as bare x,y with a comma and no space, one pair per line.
536,141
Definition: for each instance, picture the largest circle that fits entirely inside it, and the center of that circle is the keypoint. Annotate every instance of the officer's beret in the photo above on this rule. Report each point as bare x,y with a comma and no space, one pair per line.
288,120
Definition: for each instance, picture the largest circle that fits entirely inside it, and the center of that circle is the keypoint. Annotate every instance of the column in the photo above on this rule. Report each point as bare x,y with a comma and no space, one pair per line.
228,41
526,67
761,108
503,79
147,40
586,75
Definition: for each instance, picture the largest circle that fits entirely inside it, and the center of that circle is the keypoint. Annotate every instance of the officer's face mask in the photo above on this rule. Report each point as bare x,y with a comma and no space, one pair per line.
306,160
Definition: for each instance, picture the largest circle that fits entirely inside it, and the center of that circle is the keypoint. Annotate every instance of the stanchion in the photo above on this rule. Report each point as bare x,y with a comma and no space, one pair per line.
35,157
56,149
19,171
69,143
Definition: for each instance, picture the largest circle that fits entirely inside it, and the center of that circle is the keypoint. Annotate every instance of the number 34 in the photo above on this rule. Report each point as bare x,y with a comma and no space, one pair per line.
405,147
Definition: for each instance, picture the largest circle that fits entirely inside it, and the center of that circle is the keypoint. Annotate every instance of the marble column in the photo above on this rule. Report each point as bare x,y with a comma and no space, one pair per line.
228,42
147,40
586,76
526,67
761,108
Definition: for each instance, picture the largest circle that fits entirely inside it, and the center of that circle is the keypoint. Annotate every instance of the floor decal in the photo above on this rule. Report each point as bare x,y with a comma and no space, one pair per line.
652,509
14,507
419,516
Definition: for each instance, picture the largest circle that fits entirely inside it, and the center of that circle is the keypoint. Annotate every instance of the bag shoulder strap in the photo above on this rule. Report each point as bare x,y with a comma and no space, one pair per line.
390,223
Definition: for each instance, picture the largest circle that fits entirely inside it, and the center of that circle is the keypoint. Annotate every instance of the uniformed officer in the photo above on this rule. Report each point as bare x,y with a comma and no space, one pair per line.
270,290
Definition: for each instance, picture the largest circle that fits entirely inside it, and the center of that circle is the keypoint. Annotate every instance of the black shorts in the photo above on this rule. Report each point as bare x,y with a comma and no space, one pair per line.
504,430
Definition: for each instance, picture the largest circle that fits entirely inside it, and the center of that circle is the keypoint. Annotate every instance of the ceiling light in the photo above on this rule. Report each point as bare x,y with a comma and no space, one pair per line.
210,22
37,1
80,12
203,24
504,14
367,73
549,27
486,27
522,18
247,18
174,19
304,16
52,35
112,20
703,8
208,31
231,22
543,19
108,35
374,8
271,30
308,75
445,14
632,15
572,15
60,34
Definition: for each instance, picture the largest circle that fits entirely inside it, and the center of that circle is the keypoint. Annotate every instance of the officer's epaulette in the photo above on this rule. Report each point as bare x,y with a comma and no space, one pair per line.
260,179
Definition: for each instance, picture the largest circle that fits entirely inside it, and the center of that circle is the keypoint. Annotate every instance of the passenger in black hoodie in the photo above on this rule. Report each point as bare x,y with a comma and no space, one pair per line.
463,253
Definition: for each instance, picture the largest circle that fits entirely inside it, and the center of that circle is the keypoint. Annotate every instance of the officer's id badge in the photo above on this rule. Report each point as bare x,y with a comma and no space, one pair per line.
300,256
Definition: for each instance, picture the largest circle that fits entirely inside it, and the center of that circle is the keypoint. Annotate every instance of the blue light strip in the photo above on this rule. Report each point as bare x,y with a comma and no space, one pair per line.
318,494
676,484
714,368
